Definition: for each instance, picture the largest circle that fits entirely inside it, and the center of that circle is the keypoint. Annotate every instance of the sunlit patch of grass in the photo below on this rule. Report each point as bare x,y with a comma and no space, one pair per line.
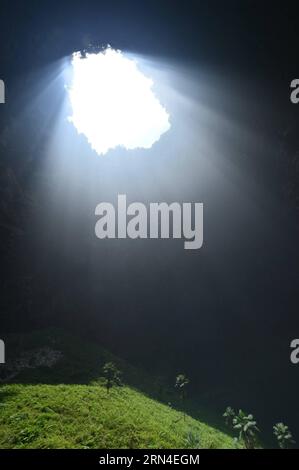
85,416
67,406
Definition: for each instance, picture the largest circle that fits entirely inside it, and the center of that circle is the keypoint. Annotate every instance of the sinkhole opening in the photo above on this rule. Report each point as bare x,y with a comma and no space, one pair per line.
113,103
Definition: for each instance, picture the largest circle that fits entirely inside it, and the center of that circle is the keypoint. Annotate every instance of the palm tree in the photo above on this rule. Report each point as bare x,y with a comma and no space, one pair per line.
247,428
112,375
228,416
283,435
180,384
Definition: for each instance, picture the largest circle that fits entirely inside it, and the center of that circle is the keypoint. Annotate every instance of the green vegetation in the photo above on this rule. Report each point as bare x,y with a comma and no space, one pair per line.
247,428
192,440
84,416
55,395
283,435
112,375
244,424
60,392
181,382
229,416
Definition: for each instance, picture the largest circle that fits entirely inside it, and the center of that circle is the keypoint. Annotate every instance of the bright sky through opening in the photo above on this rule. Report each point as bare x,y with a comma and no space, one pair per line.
113,103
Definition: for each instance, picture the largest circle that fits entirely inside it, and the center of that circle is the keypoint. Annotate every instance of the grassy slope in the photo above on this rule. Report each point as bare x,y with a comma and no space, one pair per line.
67,406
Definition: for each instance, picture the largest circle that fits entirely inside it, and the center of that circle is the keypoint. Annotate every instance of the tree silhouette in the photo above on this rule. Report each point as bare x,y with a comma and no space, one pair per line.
112,375
180,384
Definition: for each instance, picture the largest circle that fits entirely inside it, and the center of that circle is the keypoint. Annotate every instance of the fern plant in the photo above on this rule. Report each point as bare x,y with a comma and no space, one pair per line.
192,441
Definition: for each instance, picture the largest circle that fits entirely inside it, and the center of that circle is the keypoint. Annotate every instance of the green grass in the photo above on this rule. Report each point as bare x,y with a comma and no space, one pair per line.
42,412
85,416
